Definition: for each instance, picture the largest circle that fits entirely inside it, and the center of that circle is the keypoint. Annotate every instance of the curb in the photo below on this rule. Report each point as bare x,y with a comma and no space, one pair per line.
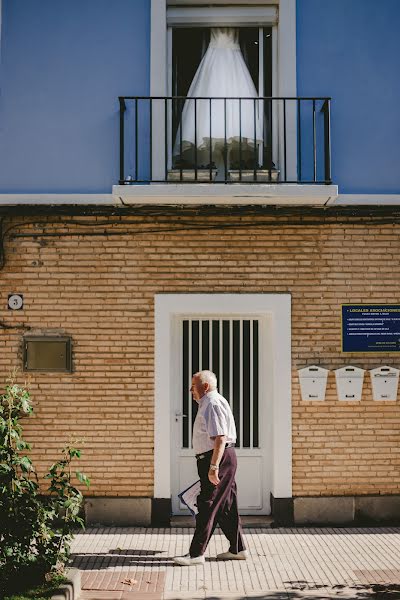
70,590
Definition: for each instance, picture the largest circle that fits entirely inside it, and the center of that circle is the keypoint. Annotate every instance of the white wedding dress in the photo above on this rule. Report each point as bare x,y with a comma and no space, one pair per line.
222,73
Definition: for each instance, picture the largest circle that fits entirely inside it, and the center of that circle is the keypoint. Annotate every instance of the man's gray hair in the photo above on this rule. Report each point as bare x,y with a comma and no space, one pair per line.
207,377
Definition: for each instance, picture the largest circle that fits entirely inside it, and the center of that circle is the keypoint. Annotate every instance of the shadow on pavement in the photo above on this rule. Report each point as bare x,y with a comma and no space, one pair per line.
118,558
356,592
88,561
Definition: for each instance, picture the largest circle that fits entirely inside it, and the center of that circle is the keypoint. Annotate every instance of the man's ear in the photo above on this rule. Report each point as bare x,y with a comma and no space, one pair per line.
206,386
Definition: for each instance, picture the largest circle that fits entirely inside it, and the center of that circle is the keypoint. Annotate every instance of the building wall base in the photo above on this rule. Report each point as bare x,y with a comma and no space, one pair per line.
282,511
161,512
346,510
286,512
119,512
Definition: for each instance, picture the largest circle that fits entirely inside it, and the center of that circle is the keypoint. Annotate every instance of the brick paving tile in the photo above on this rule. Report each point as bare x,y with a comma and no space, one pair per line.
123,581
99,595
379,576
141,596
292,561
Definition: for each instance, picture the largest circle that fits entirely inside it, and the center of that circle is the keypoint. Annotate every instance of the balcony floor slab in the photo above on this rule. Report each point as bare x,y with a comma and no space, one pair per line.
218,194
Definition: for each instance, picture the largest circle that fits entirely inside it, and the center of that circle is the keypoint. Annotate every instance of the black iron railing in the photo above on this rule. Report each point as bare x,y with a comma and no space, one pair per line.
178,139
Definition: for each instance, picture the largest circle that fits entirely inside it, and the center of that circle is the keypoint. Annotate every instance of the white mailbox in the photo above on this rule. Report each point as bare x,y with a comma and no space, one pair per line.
349,382
313,382
385,381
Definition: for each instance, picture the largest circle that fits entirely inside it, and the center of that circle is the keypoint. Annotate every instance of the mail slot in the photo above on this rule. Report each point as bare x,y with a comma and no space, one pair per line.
349,383
313,382
385,381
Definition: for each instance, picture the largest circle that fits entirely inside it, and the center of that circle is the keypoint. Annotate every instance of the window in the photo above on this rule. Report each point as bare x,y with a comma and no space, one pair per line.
189,45
221,135
47,353
230,348
168,17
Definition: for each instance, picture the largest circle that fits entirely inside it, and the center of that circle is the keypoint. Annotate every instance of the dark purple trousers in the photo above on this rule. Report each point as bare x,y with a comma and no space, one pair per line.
217,505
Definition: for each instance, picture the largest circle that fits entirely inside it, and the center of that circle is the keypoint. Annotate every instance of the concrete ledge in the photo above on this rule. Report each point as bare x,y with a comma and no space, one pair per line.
71,590
123,512
377,509
321,510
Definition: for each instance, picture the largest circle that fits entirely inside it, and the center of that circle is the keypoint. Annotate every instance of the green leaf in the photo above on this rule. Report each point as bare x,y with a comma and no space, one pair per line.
34,528
82,478
21,445
25,405
5,468
25,463
74,453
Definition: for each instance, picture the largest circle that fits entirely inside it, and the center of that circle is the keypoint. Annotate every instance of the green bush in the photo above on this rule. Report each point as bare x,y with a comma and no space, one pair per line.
35,530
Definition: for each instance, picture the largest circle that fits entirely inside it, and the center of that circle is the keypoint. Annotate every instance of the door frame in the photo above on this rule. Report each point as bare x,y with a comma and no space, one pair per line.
277,308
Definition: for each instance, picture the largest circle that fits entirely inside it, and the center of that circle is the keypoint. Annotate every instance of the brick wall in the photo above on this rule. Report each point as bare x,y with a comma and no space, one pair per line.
100,290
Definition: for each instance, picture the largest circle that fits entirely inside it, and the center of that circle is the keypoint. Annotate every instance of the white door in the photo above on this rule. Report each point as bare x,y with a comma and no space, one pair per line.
234,348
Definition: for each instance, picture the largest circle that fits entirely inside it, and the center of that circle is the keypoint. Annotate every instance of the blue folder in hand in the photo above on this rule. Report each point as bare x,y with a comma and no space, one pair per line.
189,497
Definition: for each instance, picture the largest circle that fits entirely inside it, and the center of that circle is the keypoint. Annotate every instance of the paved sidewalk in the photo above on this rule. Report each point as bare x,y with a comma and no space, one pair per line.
315,563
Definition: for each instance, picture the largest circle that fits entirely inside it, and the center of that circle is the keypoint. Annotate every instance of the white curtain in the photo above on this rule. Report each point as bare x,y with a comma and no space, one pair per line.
222,73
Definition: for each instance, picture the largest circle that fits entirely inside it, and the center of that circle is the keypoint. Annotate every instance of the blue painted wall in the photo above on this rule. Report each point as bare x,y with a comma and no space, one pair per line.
350,50
63,65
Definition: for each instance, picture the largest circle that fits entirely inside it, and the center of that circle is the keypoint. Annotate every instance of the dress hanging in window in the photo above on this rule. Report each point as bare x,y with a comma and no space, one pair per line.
222,73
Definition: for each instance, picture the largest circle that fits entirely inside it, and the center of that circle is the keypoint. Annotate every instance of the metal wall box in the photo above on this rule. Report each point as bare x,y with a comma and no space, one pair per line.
349,383
47,353
313,382
385,381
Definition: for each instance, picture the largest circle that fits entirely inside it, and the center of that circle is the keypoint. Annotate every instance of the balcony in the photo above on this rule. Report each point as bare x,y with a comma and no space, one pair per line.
244,143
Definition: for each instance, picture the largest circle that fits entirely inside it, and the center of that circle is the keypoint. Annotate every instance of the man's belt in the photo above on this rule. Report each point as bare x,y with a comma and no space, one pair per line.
205,454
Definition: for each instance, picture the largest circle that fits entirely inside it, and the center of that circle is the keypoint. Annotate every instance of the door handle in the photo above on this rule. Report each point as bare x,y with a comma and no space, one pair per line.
179,414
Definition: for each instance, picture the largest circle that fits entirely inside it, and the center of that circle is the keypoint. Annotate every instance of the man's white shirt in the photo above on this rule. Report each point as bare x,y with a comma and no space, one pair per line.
214,417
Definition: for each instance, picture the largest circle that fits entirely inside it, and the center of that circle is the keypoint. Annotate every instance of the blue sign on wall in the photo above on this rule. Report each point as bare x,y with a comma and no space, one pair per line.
371,328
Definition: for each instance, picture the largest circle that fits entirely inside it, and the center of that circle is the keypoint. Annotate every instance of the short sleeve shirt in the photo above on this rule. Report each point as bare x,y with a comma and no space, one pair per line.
214,417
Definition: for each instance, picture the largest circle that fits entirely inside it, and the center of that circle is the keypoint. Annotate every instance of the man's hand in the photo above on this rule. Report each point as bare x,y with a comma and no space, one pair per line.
213,476
219,447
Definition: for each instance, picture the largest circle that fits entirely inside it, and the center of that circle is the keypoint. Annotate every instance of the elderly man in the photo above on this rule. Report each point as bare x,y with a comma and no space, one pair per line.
214,437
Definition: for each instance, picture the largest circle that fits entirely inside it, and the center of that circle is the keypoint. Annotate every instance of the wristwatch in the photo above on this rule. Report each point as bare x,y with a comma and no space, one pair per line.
214,467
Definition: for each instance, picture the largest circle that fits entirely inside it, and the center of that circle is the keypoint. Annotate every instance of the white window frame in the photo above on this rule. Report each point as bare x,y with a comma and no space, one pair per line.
281,17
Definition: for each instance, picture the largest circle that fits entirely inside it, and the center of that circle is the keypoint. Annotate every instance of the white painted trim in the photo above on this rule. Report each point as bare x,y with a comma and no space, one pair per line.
211,193
189,16
158,83
196,194
365,199
275,90
158,48
287,84
58,199
275,306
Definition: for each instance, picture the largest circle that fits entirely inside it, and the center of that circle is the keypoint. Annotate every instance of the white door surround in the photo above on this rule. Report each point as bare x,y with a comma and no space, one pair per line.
277,309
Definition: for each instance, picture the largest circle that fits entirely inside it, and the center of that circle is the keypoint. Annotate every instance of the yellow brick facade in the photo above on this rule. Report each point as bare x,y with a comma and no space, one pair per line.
100,290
